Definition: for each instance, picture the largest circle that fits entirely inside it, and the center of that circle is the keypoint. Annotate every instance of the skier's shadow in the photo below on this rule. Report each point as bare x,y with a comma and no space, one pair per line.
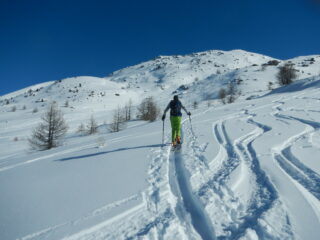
111,151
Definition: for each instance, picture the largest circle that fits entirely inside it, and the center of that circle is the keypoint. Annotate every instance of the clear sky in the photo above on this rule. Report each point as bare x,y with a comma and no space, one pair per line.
44,40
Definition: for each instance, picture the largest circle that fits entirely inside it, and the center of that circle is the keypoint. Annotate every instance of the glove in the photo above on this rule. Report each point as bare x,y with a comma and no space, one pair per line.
189,113
163,117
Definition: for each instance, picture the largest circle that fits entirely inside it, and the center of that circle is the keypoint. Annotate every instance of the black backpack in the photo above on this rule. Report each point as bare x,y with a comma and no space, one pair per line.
175,108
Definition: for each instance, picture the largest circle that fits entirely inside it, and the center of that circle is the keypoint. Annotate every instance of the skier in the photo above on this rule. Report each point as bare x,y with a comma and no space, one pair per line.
175,118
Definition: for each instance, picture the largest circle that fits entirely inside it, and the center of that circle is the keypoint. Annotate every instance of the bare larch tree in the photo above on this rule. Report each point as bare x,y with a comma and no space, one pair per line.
128,110
148,110
118,122
48,133
92,127
222,95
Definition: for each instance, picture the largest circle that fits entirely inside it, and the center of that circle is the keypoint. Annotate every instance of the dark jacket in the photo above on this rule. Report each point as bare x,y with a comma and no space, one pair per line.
175,108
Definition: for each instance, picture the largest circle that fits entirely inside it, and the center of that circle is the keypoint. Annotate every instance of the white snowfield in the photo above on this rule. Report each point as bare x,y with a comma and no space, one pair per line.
248,170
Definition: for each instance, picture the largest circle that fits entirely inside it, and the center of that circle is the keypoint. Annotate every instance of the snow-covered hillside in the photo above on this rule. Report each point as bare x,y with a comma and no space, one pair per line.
247,170
197,76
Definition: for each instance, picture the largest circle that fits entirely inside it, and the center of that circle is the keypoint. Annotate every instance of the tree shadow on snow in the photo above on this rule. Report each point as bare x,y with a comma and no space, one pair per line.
111,151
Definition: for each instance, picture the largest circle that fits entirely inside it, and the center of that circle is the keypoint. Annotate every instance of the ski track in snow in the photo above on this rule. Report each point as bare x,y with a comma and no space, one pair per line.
291,165
162,220
308,178
200,220
159,209
229,165
265,195
186,209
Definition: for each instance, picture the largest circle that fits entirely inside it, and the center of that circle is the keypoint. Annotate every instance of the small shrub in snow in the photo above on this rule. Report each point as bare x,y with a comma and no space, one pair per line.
263,67
148,110
183,88
231,92
272,63
195,105
286,74
81,129
239,81
222,95
231,98
270,85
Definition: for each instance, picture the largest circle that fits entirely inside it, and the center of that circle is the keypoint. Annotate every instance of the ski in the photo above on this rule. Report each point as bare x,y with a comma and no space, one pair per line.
176,147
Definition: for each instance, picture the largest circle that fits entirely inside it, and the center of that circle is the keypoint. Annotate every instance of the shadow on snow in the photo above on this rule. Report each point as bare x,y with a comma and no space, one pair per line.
107,152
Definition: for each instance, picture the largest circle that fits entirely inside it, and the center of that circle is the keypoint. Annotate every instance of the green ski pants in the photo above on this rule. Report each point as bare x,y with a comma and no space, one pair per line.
176,127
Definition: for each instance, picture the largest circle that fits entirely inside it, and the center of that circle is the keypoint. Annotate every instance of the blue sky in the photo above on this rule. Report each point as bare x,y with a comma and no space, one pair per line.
42,40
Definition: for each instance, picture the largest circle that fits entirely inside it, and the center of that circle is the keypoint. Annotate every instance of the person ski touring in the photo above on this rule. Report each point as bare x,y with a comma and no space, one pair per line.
175,118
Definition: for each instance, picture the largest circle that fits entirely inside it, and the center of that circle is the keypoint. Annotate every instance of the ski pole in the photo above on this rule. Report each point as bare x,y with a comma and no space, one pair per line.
191,125
162,132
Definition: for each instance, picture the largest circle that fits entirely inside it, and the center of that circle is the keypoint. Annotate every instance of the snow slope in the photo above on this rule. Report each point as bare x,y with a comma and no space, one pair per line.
247,170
